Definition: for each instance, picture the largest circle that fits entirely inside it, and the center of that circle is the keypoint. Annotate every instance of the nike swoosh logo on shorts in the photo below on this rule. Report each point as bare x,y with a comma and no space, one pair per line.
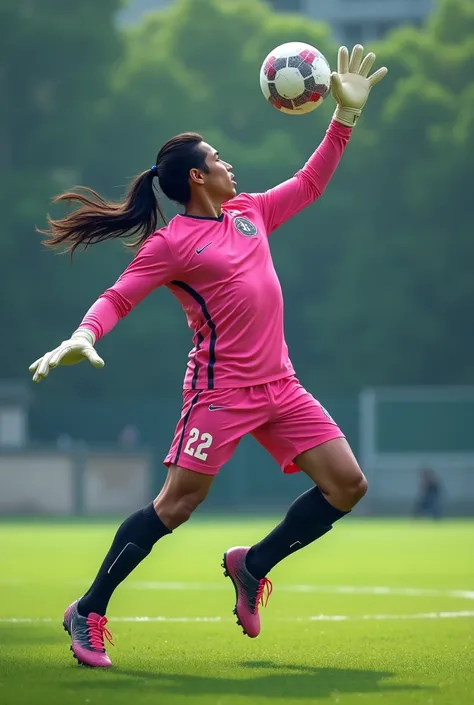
201,249
212,407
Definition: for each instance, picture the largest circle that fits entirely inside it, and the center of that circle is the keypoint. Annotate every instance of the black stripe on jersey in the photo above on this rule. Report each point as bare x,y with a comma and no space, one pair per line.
212,327
200,338
185,423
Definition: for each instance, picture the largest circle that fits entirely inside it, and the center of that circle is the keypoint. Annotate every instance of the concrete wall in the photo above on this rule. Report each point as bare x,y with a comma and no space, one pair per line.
36,483
49,482
115,483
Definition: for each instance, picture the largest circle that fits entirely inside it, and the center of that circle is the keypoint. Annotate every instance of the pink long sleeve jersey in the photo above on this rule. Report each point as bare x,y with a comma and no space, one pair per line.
221,271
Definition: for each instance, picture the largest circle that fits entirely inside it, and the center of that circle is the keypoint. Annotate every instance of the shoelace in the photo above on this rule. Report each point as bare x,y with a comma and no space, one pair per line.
97,632
264,590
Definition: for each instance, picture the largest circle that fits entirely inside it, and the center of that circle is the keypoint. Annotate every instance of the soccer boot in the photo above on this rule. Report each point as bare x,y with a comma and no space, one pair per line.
87,635
250,593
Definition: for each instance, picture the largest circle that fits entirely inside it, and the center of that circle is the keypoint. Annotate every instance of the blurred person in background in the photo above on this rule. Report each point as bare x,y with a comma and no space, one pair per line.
215,258
430,495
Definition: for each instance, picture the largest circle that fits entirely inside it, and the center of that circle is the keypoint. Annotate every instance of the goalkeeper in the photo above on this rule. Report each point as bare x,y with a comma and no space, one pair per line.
215,258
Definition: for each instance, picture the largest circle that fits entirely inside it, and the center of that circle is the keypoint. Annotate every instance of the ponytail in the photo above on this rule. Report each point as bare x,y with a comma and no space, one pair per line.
97,220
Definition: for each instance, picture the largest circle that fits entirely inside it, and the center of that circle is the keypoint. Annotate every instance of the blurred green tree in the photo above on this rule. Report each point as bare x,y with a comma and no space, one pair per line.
376,276
55,63
402,291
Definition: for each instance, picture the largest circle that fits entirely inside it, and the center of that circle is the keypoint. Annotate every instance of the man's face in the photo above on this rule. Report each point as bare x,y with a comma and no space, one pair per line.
218,181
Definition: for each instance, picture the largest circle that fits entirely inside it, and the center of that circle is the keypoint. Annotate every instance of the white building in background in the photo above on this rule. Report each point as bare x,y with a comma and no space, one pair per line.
361,21
135,9
352,20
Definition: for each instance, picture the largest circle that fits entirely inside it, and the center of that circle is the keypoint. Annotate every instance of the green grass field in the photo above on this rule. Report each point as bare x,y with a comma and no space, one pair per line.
375,612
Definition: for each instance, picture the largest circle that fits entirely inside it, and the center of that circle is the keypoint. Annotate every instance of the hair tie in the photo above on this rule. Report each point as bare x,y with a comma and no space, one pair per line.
154,170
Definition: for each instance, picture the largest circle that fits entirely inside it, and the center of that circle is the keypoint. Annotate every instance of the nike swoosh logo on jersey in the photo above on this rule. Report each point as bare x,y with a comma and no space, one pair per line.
212,407
201,249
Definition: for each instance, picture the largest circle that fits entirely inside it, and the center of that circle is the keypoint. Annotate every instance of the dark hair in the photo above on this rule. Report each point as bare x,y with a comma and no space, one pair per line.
137,214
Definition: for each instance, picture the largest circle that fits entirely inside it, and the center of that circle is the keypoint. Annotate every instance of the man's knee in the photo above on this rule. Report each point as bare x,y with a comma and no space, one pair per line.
356,486
348,489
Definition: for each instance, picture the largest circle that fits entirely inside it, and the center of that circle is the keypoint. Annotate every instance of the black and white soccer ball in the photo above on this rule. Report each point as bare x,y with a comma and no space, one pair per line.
295,78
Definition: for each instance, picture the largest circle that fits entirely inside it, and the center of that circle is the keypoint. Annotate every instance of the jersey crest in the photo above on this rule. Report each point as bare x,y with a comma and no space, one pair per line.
245,227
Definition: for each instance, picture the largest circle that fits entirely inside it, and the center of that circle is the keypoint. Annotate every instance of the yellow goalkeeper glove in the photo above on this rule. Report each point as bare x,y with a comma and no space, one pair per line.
351,84
79,347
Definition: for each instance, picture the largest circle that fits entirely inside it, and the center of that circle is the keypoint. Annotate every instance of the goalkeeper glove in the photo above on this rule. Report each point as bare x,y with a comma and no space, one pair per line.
351,83
79,347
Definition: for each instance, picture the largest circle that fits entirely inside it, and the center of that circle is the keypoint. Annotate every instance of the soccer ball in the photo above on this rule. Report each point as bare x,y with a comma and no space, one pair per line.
295,78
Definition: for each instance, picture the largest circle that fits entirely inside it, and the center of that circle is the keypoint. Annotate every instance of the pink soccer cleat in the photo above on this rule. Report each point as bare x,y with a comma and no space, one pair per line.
87,634
249,592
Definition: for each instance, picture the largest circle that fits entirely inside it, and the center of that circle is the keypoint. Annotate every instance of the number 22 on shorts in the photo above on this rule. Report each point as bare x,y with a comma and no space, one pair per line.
205,440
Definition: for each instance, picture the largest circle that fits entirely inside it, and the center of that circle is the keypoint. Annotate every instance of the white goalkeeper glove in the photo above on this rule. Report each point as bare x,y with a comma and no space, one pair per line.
351,83
79,347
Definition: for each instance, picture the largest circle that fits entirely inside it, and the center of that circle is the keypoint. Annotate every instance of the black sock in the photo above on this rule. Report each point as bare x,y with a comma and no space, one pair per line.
308,518
132,543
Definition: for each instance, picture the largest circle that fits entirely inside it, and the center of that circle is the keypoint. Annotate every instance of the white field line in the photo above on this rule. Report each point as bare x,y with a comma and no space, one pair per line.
328,589
383,617
316,618
323,589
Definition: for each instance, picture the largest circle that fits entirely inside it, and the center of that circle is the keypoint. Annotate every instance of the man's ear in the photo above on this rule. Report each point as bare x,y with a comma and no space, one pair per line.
196,176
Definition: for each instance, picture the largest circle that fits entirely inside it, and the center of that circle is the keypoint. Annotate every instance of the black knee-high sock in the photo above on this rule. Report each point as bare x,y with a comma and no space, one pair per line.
308,518
132,543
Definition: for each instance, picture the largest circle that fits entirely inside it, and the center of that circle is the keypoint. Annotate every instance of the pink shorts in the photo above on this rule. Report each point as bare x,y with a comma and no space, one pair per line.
282,416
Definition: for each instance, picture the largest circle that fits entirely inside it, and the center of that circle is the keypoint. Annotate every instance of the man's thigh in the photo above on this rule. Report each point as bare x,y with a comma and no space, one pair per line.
299,424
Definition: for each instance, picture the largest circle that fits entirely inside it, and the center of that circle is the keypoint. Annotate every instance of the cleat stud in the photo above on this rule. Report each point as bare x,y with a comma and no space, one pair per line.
239,623
226,574
234,611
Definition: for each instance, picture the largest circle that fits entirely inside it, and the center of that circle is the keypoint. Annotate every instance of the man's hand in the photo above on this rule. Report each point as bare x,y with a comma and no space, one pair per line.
351,84
78,348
